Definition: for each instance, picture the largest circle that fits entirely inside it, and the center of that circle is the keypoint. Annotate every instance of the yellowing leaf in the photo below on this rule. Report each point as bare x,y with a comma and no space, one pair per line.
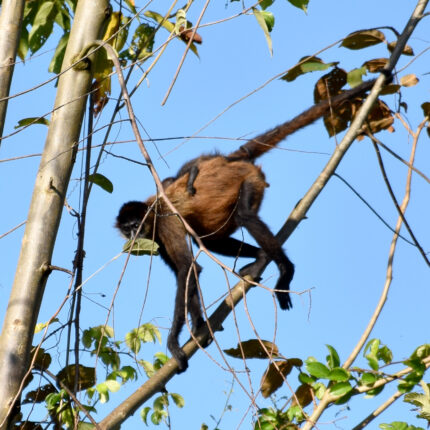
376,65
87,376
253,348
266,21
407,50
141,247
409,80
274,377
363,39
303,395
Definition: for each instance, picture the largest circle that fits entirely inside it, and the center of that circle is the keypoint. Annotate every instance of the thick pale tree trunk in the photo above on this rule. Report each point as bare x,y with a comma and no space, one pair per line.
10,31
47,205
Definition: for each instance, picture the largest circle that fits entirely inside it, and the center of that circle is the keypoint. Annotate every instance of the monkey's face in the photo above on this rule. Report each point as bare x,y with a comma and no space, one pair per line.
130,219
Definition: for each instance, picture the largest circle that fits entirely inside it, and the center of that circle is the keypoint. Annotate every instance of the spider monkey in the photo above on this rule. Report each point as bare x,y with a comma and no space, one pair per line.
217,194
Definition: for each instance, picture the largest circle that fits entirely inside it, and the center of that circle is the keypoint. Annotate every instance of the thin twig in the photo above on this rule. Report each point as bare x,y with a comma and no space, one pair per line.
190,41
371,208
378,411
393,197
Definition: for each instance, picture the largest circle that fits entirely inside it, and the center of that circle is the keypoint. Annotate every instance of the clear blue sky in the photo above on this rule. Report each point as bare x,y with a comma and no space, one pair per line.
340,251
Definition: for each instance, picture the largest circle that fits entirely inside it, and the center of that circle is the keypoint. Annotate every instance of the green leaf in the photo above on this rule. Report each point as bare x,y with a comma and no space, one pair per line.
317,369
355,76
177,399
159,19
295,412
306,64
333,359
57,59
32,120
147,367
339,375
374,392
23,44
40,326
112,385
340,389
42,26
422,352
158,416
385,354
368,379
398,425
319,390
85,426
301,4
103,391
101,181
132,341
141,246
144,414
266,3
306,379
266,21
160,402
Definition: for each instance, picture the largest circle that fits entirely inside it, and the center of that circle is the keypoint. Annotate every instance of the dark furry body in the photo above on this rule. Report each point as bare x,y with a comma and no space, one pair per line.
216,195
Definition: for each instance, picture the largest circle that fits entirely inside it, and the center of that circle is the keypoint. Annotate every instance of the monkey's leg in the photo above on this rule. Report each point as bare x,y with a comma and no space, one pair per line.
249,219
231,247
178,322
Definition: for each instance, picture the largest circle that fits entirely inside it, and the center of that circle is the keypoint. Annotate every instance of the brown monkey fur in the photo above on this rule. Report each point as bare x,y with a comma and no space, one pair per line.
217,194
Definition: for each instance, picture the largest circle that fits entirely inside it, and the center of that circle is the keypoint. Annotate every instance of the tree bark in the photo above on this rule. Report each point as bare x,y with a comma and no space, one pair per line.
10,32
46,205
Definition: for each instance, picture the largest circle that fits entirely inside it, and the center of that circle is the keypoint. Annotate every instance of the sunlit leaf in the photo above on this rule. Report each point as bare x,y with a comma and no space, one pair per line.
333,359
40,326
319,370
42,26
409,80
339,375
355,76
30,121
141,246
340,389
177,399
306,65
266,21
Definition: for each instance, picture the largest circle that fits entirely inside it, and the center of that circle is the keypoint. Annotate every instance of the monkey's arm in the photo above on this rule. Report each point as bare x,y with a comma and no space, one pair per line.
175,251
231,247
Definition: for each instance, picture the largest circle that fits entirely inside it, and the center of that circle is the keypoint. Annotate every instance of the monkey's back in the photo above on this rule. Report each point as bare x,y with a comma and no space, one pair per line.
210,211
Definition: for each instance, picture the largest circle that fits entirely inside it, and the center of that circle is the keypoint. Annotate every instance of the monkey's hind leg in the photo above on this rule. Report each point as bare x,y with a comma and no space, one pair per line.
247,217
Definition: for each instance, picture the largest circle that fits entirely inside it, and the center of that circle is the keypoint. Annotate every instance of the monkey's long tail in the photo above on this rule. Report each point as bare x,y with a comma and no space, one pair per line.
266,141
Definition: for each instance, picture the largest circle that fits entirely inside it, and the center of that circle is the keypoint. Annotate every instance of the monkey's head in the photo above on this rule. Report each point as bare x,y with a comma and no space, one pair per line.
130,218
